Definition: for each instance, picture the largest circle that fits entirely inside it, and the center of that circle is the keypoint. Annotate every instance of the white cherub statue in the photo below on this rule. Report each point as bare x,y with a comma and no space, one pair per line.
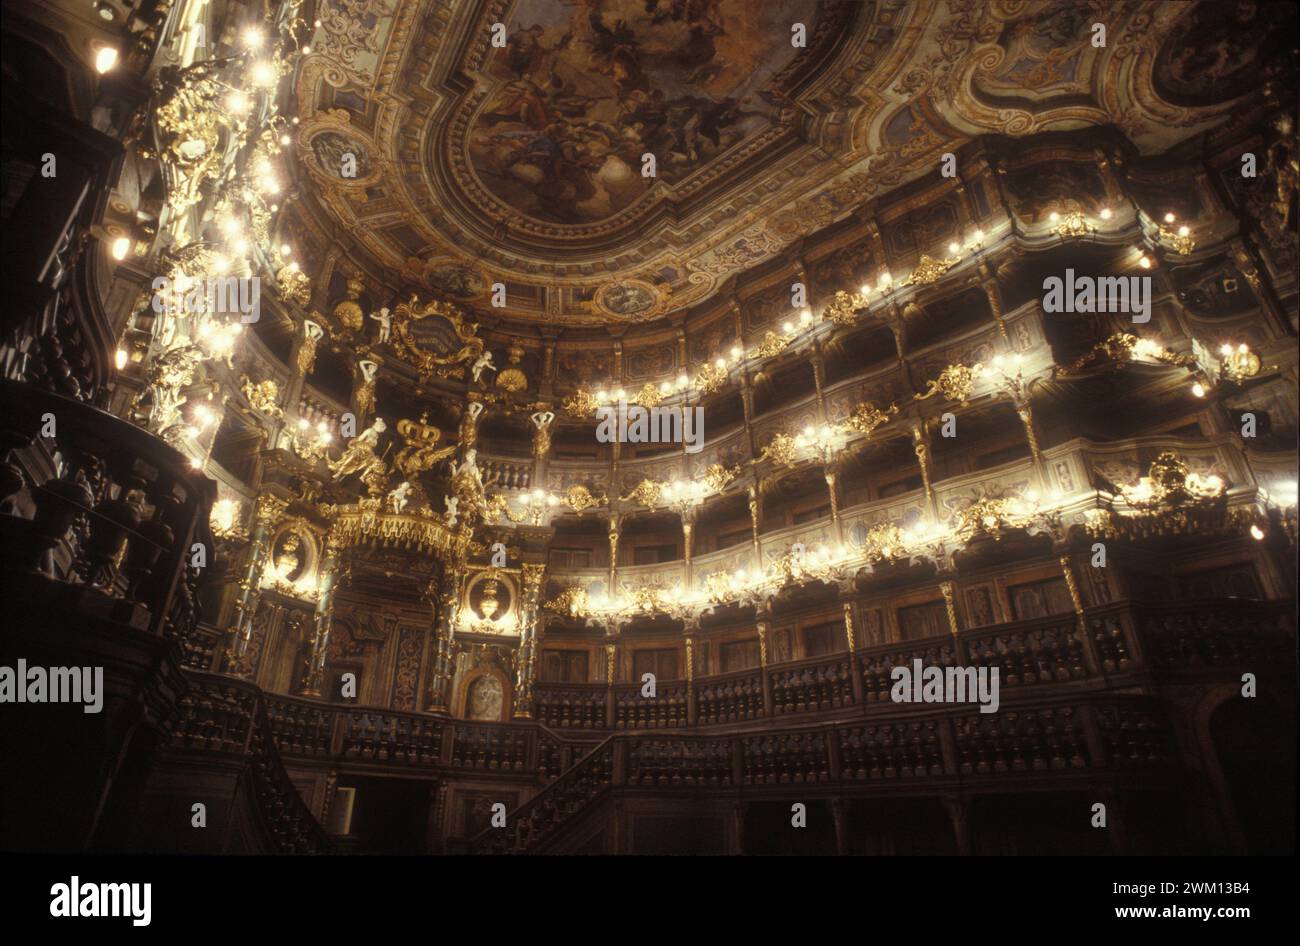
385,320
451,515
483,362
399,497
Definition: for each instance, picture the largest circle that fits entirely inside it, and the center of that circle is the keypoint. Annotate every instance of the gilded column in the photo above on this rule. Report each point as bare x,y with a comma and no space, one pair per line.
754,513
848,626
1072,584
764,626
526,662
921,444
613,557
949,606
831,479
267,511
436,701
687,532
989,283
322,621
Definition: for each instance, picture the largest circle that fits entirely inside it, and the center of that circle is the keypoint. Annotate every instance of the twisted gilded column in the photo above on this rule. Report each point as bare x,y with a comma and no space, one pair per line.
267,511
989,283
613,556
440,679
526,661
921,443
322,621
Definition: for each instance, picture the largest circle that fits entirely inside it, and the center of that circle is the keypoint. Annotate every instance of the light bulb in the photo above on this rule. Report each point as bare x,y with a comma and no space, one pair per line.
121,246
1198,389
1105,213
105,59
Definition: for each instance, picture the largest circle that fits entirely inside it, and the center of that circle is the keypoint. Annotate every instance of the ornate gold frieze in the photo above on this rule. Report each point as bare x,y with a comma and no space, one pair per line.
367,523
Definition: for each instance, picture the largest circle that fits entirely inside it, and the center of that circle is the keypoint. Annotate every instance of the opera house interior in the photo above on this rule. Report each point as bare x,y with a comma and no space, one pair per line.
649,427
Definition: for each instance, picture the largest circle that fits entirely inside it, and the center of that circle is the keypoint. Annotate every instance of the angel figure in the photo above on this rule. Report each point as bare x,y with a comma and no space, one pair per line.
385,320
400,496
481,364
451,515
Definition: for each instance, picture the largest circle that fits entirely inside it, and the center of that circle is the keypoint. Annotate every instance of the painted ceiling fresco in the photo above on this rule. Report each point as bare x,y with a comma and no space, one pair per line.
583,90
522,164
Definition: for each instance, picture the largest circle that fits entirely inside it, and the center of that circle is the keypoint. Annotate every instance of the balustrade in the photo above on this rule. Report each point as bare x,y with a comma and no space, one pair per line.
730,698
577,706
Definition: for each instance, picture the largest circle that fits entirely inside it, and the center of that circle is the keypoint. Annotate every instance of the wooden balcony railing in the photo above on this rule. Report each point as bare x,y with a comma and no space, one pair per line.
1096,733
228,716
1115,640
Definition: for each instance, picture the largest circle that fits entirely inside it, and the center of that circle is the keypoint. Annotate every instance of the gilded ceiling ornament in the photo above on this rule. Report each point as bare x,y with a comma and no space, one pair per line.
866,417
928,270
844,308
445,354
1073,224
348,311
954,383
512,377
263,396
421,451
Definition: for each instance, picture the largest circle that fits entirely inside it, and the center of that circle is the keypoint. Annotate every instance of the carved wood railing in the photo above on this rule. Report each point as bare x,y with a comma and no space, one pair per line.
1099,733
226,716
1112,640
